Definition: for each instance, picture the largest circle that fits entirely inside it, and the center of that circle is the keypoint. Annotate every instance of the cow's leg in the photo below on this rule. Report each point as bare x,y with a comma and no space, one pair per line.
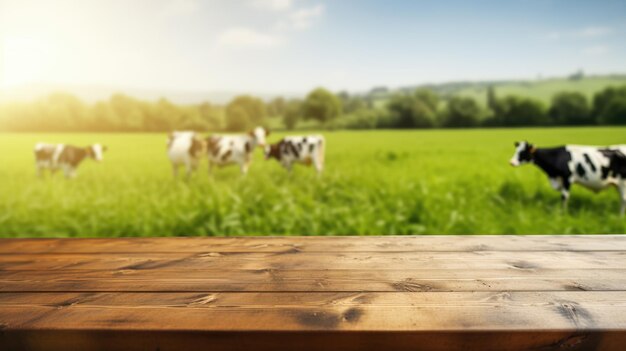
622,194
39,170
175,170
244,166
210,167
194,165
319,166
555,183
70,172
565,186
287,166
188,170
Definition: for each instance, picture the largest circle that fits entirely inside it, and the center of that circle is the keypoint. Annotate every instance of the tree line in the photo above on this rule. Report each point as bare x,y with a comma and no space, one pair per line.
420,108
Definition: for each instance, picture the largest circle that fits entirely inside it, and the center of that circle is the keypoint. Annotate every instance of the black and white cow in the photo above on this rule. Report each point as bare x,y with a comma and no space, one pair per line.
235,149
593,167
298,149
184,148
66,157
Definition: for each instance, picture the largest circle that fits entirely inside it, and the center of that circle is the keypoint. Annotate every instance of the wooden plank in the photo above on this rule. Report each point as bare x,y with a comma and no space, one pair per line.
345,293
316,280
300,312
320,244
447,321
114,340
403,318
487,300
316,260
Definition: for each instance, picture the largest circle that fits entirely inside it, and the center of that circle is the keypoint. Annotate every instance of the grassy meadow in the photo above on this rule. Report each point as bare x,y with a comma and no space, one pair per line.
376,182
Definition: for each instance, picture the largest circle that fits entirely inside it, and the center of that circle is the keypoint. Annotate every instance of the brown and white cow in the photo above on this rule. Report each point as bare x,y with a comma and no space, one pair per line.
298,149
184,148
66,157
235,149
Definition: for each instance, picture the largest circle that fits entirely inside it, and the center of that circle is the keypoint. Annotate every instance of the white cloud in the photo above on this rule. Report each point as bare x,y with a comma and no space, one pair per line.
273,5
594,32
597,50
246,38
304,18
286,21
591,32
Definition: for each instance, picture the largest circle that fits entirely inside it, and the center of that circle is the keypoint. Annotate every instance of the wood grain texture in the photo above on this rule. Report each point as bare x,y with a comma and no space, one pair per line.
318,260
273,280
312,293
437,243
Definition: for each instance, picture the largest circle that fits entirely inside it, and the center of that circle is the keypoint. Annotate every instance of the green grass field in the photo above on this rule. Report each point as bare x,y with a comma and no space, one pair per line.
376,182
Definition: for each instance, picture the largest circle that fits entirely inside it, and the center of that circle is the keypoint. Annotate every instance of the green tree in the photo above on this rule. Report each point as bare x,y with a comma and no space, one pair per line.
128,113
418,110
61,112
570,108
322,106
365,118
428,97
605,99
293,112
615,111
491,98
352,104
276,107
209,115
248,111
238,119
520,111
163,116
461,112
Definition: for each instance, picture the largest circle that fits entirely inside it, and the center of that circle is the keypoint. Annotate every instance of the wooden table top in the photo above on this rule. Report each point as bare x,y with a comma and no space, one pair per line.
314,293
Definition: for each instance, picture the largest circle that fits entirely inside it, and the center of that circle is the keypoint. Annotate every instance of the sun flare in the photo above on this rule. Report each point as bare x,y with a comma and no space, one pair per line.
24,60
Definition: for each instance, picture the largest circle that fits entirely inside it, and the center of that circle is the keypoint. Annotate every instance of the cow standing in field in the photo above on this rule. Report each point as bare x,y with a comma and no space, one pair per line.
595,168
184,149
298,149
235,149
66,157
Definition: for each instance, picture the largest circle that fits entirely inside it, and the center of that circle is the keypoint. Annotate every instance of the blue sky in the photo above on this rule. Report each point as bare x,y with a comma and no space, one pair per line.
278,46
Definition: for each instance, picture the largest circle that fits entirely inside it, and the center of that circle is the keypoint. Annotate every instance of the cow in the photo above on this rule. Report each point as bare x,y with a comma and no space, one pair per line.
66,157
184,148
298,149
235,149
595,168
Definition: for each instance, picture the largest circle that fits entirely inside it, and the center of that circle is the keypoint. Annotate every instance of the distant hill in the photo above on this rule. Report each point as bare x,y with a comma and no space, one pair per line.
542,89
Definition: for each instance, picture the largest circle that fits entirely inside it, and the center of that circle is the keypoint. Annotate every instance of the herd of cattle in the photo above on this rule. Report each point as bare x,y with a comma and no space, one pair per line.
186,149
595,168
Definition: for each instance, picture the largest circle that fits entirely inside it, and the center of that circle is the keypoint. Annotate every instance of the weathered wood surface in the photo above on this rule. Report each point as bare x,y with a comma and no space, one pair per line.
312,293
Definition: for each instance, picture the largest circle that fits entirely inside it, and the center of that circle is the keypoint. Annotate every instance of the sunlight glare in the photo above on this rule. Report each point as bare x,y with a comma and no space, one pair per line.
24,60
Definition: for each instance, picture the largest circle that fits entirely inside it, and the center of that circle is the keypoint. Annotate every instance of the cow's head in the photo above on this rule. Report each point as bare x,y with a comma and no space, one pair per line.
272,151
523,153
96,151
260,134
